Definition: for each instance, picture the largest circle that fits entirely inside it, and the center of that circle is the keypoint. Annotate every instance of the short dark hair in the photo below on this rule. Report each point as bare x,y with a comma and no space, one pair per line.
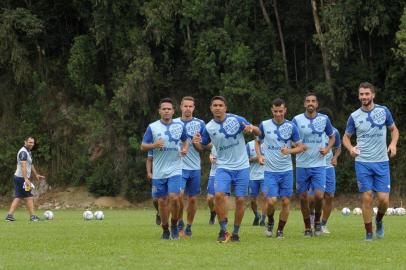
218,98
28,137
278,102
326,111
165,100
309,94
367,85
190,98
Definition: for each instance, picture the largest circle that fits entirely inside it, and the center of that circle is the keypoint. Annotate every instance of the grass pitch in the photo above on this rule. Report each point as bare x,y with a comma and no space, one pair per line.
129,239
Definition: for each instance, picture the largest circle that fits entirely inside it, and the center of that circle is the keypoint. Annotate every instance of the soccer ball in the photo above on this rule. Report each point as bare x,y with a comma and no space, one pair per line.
390,211
346,211
87,215
400,211
48,215
99,215
357,211
375,211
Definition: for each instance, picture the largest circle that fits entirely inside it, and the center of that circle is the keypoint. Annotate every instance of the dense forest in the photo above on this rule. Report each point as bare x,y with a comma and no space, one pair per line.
84,77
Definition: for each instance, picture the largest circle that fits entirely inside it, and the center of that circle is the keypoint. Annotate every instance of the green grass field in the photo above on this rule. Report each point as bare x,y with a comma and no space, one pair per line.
129,239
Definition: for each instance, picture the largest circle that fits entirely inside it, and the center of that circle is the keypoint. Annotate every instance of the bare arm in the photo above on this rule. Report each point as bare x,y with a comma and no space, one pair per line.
337,153
394,133
185,148
260,157
347,144
145,147
148,164
36,174
331,141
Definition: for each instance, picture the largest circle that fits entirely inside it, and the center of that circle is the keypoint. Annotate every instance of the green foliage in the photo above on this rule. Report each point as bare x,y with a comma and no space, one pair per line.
104,181
401,37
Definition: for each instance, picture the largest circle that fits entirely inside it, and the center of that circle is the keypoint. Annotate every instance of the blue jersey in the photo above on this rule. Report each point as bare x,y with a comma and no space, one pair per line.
311,132
273,137
229,141
370,128
192,159
256,169
337,144
167,160
213,165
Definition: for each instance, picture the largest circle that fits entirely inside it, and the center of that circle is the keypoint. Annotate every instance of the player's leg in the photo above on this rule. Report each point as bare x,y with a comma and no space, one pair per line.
184,181
254,191
318,182
160,192
210,199
157,216
192,190
174,187
29,201
285,191
241,180
328,198
222,184
382,187
13,207
271,188
263,203
310,198
302,187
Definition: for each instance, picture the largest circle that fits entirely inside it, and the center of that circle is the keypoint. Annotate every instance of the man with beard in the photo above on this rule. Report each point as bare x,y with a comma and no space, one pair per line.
310,164
370,124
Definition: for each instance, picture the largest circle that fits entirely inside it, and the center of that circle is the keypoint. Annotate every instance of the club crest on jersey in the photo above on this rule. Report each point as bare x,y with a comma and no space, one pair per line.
230,127
174,132
284,132
192,128
317,125
377,117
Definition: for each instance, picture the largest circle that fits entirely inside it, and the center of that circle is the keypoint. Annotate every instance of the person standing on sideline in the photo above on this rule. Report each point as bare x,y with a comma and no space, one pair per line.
163,137
22,183
370,124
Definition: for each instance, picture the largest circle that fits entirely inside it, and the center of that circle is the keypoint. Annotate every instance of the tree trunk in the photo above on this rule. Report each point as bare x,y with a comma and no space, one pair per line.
282,40
268,21
306,68
360,48
295,62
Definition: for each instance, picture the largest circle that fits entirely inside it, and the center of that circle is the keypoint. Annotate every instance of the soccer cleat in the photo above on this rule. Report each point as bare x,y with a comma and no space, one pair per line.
268,231
279,234
34,218
188,231
256,221
212,218
308,233
317,229
166,235
379,230
10,217
174,233
369,237
235,238
324,229
181,226
262,223
223,237
157,219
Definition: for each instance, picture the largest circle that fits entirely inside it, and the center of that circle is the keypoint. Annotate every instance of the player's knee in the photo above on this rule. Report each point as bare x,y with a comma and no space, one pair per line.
303,196
239,200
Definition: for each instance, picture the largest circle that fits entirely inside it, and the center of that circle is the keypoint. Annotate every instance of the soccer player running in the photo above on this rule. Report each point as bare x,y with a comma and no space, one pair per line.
370,124
163,137
256,185
22,182
210,185
224,131
310,164
191,170
148,165
279,139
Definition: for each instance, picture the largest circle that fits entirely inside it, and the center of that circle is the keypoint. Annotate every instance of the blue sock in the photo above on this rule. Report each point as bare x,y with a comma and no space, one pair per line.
223,225
236,229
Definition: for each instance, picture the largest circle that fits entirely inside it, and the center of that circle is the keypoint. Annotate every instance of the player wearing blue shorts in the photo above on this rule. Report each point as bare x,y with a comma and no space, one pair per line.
225,133
279,139
256,185
210,185
22,182
164,138
191,170
310,164
148,164
370,124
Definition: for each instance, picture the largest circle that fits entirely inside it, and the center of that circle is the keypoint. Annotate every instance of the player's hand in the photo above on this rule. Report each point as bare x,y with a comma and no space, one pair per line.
334,161
261,160
197,138
212,158
323,151
149,176
27,182
159,143
392,150
247,128
304,148
285,150
183,151
40,177
354,151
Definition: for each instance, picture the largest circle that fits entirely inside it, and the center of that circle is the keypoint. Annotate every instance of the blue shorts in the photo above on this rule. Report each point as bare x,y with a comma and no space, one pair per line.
161,187
210,186
18,188
310,178
278,184
330,180
373,176
191,182
239,179
255,187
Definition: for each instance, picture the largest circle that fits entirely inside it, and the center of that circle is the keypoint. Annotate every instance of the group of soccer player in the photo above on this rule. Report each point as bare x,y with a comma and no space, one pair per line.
264,165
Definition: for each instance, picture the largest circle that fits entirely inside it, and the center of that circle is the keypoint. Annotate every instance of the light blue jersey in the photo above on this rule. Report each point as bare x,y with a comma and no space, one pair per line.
24,154
337,144
167,160
229,141
273,137
370,128
311,132
214,164
192,159
256,169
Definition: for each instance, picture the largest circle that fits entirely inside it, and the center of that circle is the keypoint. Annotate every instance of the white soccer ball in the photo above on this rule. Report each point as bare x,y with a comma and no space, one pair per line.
48,215
87,215
375,211
357,211
346,211
390,211
99,215
400,211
